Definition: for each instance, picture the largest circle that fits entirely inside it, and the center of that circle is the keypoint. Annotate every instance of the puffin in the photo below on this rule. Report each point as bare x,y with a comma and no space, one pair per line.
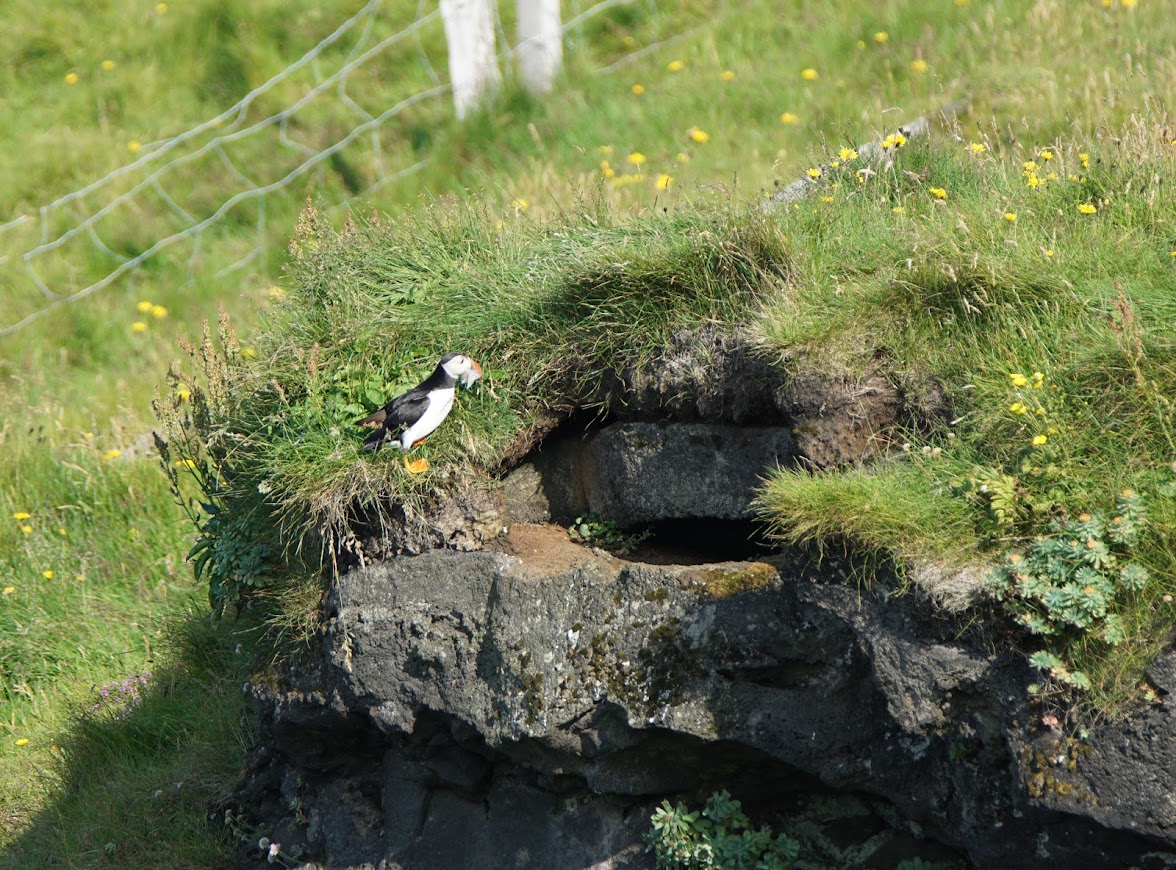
410,417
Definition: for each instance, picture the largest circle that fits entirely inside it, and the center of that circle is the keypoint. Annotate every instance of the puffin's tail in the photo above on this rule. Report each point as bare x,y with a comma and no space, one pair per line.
376,439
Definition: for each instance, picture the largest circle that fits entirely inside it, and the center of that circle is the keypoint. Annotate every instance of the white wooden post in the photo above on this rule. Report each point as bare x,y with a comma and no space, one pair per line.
540,44
473,67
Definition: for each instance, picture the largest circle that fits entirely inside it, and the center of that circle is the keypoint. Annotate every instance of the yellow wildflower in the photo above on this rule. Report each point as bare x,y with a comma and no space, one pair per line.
81,578
977,147
606,169
847,154
1018,379
1018,408
1084,159
8,590
158,312
938,192
1038,440
248,352
24,741
112,454
1049,253
919,65
899,140
1087,208
1033,181
28,530
1130,4
1051,176
134,145
21,515
788,118
898,209
1046,155
62,532
638,89
809,74
664,181
1029,165
826,199
861,43
636,158
675,66
727,75
813,172
699,135
1010,216
139,326
520,204
48,575
682,157
144,307
161,8
183,392
108,65
881,36
887,143
606,150
276,293
71,78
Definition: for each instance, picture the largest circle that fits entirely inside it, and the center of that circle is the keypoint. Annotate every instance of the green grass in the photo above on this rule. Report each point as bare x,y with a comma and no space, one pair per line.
978,299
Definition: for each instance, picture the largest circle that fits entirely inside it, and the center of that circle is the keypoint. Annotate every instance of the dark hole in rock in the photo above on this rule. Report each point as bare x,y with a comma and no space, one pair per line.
700,542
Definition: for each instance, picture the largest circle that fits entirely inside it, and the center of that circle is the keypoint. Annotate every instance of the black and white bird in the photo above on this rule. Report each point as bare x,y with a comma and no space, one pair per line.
411,416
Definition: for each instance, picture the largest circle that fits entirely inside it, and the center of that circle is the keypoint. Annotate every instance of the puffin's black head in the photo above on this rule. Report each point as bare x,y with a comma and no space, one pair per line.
461,367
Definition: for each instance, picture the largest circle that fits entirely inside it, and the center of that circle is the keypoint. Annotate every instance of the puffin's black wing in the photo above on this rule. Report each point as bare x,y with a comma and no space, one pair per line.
398,414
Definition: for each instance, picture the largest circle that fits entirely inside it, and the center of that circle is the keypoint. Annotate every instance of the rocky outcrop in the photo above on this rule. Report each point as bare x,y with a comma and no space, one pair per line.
529,707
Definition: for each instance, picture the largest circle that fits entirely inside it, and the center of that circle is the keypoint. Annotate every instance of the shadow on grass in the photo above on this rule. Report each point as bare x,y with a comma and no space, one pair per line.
137,776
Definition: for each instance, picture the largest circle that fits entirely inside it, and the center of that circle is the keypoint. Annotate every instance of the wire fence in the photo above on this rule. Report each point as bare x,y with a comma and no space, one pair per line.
287,135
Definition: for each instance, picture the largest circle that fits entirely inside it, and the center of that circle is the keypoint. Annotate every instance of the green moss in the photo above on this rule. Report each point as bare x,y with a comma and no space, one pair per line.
725,581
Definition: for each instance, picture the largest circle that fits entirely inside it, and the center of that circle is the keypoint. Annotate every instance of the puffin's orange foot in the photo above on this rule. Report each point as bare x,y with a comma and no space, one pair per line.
417,466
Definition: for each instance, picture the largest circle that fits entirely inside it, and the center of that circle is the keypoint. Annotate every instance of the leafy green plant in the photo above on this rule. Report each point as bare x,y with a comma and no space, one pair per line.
719,836
607,534
1071,579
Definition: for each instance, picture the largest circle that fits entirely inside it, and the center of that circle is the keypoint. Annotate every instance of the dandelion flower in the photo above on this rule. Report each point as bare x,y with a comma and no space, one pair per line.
1049,252
108,65
1019,380
48,575
21,515
139,326
605,150
144,306
1038,440
1033,182
61,531
276,293
977,147
248,352
699,135
834,164
727,75
899,140
847,154
161,9
1129,4
183,393
1046,155
1087,208
520,204
1010,216
682,157
71,78
28,530
938,192
918,65
606,169
675,66
813,172
158,312
80,578
134,145
1029,165
112,454
826,199
24,741
809,74
1038,377
789,118
861,43
881,37
636,158
887,143
1018,408
898,209
1051,176
1084,159
638,89
664,181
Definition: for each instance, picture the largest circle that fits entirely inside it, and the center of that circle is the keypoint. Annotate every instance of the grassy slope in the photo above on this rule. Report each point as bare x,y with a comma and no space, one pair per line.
84,370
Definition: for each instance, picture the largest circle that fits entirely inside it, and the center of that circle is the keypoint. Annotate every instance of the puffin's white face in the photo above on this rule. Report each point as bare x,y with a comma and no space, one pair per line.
463,368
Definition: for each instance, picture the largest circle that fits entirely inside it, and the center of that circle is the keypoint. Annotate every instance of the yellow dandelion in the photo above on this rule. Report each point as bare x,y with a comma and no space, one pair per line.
1018,379
606,169
80,578
1084,159
185,463
161,9
1010,216
605,150
1038,440
847,154
938,192
112,454
1051,176
1029,165
183,392
682,157
520,204
71,78
1130,4
158,312
24,741
834,164
636,158
887,143
809,74
1018,408
826,199
1087,208
727,75
977,147
9,590
1033,181
134,145
861,43
21,515
248,352
48,575
1049,253
898,209
813,172
899,140
107,65
62,532
699,135
1046,155
28,530
638,89
789,118
139,326
276,293
881,36
144,306
664,181
919,65
675,66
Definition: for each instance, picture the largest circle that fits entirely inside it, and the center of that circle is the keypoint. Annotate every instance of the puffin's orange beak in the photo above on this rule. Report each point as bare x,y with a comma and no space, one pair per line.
477,367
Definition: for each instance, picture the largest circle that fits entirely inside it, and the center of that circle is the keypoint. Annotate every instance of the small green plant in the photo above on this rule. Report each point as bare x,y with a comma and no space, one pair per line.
607,534
720,836
1071,579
